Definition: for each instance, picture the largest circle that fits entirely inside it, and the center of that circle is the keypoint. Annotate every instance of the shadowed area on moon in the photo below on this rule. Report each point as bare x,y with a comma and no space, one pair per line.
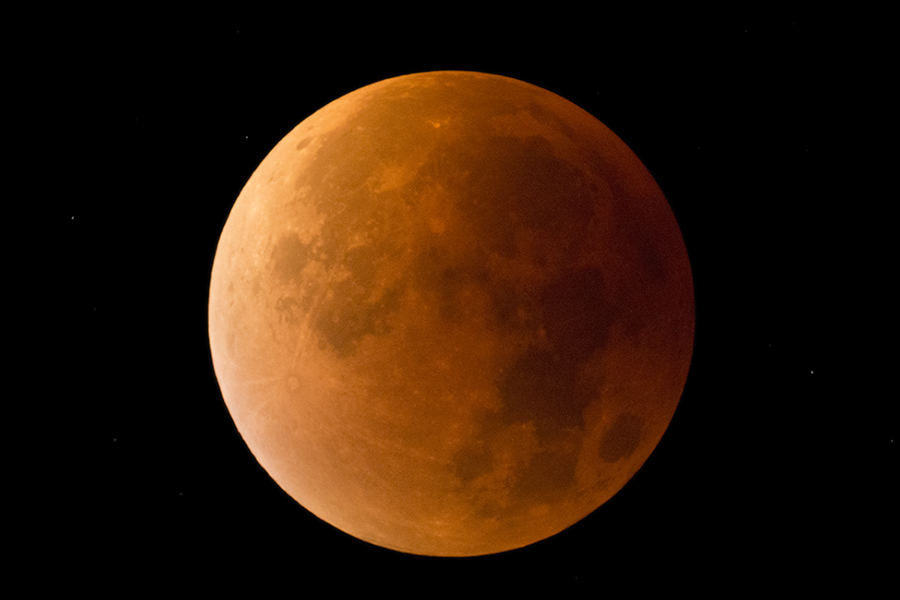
451,313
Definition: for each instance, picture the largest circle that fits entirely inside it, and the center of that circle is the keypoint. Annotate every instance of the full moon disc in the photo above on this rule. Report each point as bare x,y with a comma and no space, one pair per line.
451,313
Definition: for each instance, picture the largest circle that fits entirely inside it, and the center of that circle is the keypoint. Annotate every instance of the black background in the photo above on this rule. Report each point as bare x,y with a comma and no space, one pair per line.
763,132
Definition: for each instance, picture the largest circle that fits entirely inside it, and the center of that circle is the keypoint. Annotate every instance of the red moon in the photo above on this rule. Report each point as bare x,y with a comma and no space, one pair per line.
451,313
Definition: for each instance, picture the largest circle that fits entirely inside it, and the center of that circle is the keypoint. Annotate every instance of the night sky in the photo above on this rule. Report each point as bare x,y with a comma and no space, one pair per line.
780,464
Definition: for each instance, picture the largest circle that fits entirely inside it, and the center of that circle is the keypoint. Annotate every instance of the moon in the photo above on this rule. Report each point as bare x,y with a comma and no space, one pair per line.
451,313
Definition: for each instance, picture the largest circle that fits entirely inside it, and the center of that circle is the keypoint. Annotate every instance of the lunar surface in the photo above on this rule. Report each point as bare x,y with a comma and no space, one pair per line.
451,313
